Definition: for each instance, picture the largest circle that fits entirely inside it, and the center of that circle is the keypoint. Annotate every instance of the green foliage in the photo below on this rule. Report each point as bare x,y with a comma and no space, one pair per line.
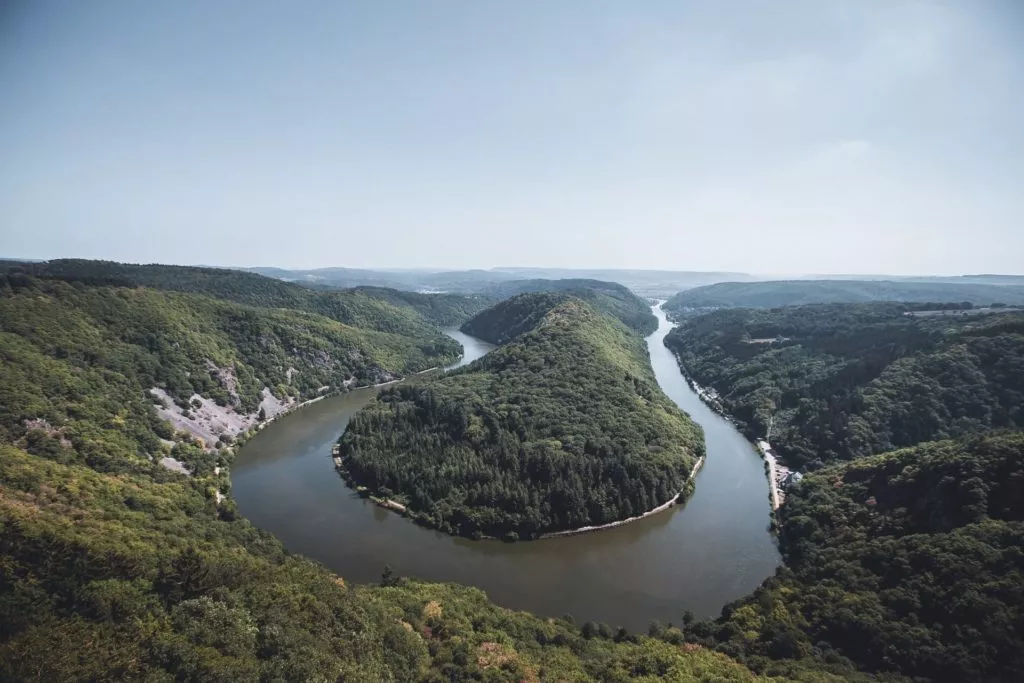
513,317
563,427
798,292
369,308
469,639
79,361
607,297
908,562
115,568
446,310
846,380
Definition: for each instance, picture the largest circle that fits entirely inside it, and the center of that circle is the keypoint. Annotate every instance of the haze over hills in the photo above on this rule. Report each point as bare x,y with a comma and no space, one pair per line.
647,283
656,283
795,292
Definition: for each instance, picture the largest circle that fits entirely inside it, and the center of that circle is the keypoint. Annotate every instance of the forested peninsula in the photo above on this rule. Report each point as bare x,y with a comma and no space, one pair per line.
564,426
840,381
607,297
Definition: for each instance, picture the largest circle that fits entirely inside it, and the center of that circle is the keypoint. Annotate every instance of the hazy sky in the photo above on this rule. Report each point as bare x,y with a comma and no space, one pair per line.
766,136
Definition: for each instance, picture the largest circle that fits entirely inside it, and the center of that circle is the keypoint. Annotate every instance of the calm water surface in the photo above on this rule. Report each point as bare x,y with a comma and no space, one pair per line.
699,557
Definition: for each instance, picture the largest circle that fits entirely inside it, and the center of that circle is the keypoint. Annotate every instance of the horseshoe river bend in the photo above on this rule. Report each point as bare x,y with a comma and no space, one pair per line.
698,556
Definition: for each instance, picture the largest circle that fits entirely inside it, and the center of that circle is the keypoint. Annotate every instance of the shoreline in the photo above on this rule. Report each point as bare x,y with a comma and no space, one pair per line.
774,492
404,511
622,522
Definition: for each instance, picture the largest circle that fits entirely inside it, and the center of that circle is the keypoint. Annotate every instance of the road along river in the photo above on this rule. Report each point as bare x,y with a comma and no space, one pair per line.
699,556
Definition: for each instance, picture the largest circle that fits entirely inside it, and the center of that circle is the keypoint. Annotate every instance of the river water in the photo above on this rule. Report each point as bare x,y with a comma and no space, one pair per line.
699,556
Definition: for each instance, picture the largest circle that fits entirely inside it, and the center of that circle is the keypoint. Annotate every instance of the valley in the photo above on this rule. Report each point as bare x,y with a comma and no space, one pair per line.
283,480
145,421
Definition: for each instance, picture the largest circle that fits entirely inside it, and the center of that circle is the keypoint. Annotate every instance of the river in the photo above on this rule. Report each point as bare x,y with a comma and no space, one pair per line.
699,556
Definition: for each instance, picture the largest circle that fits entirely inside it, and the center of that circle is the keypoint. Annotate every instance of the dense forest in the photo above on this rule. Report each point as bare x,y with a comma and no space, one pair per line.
371,308
909,562
564,426
607,297
771,294
113,567
846,380
79,363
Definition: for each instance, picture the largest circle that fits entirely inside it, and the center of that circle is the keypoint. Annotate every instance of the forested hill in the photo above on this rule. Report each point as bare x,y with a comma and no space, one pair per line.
908,562
373,308
564,426
846,380
607,297
114,567
513,317
797,292
74,353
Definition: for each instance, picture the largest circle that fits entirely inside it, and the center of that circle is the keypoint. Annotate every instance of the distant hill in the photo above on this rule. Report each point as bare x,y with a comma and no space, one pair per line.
515,316
607,297
370,308
771,294
459,281
652,283
563,426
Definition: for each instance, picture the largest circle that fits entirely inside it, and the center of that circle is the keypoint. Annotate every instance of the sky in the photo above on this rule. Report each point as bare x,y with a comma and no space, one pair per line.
764,136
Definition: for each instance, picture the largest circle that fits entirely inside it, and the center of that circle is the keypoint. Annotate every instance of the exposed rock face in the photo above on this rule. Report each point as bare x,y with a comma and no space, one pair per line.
208,421
225,376
175,466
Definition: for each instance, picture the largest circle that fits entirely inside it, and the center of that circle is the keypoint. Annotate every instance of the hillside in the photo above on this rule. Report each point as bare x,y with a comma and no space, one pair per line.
908,562
797,292
515,316
562,427
371,308
115,567
78,356
846,380
607,297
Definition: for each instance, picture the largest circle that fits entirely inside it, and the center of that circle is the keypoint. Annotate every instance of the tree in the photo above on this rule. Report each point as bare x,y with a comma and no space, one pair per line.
388,578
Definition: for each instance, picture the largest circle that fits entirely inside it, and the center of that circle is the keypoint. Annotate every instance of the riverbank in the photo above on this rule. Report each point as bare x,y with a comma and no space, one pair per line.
777,473
710,398
629,520
404,511
699,556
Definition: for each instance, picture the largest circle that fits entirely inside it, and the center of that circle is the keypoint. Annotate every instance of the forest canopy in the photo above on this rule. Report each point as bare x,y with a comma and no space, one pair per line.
371,308
607,297
561,427
907,563
840,381
113,567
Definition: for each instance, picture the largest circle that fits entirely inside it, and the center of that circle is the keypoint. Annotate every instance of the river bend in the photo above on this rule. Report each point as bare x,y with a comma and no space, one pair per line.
700,556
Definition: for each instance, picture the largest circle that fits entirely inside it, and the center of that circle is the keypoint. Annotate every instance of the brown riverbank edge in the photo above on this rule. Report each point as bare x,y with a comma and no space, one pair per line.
395,506
622,522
